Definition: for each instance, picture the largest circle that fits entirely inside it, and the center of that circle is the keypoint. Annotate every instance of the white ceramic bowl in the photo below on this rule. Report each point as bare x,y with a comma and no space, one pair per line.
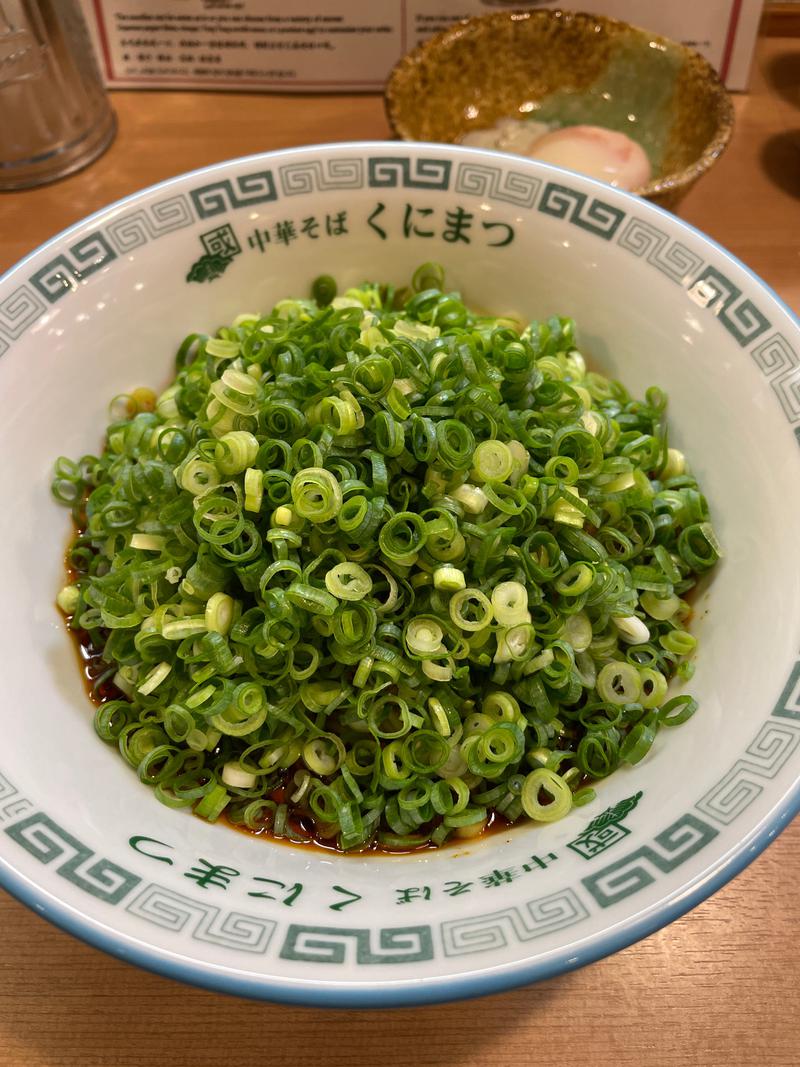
101,308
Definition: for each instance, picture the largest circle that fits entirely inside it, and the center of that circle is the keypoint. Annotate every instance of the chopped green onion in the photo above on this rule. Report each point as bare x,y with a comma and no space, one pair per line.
147,542
253,489
348,581
154,679
233,776
68,599
212,804
675,465
236,451
316,494
631,629
323,289
619,683
449,578
578,631
654,687
678,641
470,609
492,461
660,608
510,603
183,628
545,796
677,711
423,635
375,567
471,497
219,613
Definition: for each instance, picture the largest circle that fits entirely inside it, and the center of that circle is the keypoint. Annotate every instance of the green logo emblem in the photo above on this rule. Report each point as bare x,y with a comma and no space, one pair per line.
605,830
220,245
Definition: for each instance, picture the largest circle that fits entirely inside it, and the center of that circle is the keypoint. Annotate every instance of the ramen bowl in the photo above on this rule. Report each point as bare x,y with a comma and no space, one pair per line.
101,309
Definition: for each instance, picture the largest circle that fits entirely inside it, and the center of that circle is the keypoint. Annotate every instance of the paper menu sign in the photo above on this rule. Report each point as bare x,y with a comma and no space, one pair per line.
301,45
351,45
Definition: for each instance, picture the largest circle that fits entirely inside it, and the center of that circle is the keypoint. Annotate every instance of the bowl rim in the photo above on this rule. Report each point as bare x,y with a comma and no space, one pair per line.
678,180
408,992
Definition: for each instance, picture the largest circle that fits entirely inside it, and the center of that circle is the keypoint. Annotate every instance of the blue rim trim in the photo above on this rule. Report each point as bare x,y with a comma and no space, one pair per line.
406,992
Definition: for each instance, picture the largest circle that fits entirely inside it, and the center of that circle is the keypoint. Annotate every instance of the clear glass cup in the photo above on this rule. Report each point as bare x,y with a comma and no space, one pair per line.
54,112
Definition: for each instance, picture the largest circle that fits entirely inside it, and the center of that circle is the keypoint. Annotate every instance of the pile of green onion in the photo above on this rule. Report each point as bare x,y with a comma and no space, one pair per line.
376,569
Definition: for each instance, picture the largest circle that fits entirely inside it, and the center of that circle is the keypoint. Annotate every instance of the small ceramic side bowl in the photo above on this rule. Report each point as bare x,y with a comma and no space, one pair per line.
567,68
103,307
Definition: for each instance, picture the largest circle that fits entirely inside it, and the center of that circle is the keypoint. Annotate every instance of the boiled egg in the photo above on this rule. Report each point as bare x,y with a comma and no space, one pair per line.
605,154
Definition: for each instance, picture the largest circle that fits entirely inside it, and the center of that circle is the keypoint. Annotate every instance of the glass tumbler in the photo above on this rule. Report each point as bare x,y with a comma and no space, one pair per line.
54,112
